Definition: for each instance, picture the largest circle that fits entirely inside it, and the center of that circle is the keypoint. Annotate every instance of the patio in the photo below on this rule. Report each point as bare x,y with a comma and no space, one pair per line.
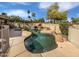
17,49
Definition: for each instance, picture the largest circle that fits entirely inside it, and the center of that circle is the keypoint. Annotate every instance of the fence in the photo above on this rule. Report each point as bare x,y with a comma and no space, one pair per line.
4,38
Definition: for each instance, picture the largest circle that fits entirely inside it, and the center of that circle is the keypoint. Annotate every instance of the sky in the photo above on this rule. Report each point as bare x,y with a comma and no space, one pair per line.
40,8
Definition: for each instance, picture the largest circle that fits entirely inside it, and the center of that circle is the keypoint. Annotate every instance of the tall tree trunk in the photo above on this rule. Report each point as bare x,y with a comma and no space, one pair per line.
54,21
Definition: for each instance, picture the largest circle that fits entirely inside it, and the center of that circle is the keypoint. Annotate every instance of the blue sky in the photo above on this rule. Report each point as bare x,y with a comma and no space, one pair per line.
40,8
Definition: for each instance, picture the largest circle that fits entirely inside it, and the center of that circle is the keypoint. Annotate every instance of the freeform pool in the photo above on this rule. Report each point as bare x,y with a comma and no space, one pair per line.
40,42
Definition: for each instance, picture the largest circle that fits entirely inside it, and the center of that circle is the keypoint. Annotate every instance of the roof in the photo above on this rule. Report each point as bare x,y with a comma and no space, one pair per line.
4,17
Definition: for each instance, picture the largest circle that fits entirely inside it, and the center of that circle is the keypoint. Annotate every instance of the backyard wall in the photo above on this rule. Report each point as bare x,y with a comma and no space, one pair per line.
74,35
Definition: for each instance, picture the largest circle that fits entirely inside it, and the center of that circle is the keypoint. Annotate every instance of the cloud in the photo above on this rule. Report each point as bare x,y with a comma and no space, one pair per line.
18,12
23,3
45,5
67,5
64,6
6,5
20,3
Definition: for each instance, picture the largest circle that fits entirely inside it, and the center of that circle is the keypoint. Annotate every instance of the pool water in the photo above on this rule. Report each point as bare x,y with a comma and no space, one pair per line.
40,42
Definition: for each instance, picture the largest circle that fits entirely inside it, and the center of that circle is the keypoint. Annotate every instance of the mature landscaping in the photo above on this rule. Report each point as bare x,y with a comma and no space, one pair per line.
39,31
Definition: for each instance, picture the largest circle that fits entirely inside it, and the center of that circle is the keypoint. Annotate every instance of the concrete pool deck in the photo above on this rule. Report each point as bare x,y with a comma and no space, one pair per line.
17,48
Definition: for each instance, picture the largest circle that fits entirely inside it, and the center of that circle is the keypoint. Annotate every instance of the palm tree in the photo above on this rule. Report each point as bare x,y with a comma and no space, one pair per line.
28,11
32,15
29,17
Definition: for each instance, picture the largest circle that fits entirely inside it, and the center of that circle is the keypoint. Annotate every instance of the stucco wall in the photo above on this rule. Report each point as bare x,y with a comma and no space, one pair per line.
74,36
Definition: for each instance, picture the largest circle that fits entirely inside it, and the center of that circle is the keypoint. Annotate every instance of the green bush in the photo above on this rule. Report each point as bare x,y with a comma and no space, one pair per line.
64,28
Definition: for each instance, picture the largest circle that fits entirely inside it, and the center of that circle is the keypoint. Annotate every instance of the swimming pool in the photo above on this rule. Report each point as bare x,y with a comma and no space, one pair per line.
40,42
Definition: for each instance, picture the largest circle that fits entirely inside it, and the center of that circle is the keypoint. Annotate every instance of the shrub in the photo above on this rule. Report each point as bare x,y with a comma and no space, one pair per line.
64,28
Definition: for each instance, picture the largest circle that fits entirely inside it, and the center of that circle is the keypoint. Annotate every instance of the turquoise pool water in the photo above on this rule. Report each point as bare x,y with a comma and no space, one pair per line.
40,42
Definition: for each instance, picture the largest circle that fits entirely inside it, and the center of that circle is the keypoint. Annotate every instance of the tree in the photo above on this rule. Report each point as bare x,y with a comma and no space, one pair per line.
75,20
53,11
29,17
32,16
5,14
54,14
16,19
53,7
28,11
39,20
61,16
